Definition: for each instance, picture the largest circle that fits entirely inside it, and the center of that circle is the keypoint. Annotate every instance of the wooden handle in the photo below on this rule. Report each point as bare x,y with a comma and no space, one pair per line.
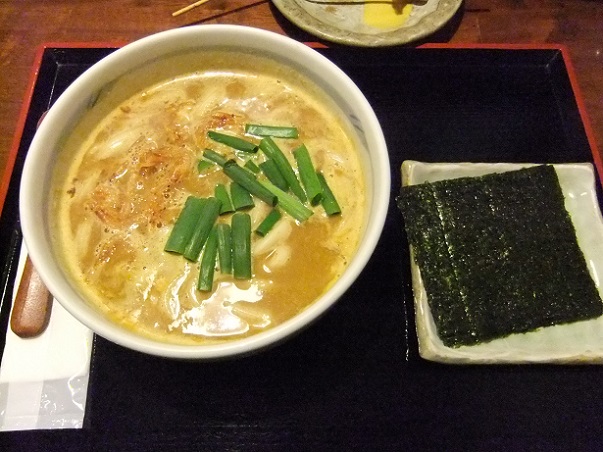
33,304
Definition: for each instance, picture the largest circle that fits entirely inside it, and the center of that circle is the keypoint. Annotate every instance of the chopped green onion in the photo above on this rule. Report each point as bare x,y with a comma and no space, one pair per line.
328,201
234,142
241,245
204,165
224,247
209,215
208,262
271,171
289,203
271,131
270,148
251,166
247,180
221,193
215,157
268,223
185,225
241,198
307,174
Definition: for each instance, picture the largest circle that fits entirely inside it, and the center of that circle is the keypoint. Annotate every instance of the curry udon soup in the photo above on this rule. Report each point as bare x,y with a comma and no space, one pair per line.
131,162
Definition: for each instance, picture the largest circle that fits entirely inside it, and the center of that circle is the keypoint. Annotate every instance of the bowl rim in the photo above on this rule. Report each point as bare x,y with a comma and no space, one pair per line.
39,246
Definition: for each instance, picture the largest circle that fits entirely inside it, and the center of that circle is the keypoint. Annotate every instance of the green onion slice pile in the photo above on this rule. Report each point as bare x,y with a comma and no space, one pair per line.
216,231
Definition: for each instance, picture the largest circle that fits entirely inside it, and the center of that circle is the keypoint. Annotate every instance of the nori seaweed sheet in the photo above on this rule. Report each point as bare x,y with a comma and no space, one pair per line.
498,255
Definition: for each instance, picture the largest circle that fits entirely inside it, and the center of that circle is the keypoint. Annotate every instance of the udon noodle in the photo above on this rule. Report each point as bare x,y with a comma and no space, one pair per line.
130,164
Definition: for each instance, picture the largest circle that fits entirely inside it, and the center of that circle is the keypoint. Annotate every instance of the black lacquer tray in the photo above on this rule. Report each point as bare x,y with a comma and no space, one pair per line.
354,379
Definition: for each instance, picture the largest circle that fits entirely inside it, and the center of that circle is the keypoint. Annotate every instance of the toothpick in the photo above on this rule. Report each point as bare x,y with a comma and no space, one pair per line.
188,8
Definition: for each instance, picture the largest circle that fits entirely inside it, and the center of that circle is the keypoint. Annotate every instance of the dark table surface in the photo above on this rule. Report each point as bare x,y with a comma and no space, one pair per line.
354,379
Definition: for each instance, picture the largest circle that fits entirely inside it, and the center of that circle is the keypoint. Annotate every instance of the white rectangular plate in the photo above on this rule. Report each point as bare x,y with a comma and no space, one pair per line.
579,342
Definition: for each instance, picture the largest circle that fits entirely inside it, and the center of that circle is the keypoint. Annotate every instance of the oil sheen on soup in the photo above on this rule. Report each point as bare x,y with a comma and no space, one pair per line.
121,184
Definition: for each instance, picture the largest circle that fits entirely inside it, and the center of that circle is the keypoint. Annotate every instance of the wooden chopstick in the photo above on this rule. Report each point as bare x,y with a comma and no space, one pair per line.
189,7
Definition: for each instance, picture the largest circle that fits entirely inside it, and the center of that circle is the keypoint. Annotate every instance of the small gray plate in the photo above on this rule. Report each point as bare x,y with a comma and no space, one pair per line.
369,23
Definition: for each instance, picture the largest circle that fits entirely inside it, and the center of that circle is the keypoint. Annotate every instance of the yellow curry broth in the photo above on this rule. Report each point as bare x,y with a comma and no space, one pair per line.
120,187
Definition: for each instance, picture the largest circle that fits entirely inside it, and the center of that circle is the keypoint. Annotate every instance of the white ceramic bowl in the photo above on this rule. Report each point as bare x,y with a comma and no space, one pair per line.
68,109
